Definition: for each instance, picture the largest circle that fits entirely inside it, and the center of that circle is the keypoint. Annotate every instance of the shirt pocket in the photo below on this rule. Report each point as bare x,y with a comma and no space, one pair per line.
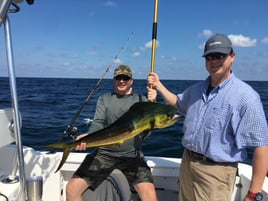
219,118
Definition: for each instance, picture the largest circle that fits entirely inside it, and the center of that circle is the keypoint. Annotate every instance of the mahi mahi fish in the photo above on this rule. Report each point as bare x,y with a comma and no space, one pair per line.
141,117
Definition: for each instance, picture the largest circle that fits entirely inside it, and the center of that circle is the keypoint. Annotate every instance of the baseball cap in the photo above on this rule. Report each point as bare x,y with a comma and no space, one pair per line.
123,70
218,43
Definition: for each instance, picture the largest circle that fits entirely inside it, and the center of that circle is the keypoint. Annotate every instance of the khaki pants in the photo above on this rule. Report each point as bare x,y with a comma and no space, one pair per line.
204,180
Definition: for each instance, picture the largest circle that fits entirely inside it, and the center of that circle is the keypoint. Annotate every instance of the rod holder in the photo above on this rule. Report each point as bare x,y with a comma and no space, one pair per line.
34,188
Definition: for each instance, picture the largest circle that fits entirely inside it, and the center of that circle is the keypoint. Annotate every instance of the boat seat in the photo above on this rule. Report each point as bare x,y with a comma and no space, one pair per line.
7,134
114,188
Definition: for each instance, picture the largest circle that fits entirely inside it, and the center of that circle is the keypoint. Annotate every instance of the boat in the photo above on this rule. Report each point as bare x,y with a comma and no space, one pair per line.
29,174
43,164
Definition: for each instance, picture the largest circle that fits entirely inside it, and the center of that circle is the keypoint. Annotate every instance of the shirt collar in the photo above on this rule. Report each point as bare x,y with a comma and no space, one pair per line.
227,81
221,85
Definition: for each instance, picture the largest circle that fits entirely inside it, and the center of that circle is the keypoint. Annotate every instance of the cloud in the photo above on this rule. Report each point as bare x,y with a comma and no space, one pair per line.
117,61
62,55
169,58
136,54
148,45
92,53
143,49
242,41
237,40
206,33
110,4
92,13
265,40
201,46
66,63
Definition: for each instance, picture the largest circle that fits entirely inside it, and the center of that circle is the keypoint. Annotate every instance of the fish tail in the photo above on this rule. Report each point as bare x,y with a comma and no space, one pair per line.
66,153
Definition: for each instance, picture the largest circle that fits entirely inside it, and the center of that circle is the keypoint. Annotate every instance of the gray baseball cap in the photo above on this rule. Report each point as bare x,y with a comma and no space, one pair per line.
218,43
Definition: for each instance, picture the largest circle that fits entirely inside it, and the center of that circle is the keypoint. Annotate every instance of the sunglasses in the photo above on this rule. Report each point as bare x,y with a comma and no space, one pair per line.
211,57
122,77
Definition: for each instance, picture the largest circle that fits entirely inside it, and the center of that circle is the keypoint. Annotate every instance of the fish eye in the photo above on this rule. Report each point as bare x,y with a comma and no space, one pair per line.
170,115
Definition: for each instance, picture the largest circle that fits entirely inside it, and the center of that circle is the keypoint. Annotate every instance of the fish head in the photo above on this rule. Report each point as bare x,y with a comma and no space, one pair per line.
164,116
154,115
151,115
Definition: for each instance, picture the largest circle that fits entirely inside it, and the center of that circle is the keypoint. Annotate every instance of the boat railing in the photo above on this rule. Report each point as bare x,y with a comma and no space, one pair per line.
7,6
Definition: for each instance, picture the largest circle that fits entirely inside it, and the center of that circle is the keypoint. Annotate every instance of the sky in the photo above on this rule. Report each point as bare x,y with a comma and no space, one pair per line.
84,38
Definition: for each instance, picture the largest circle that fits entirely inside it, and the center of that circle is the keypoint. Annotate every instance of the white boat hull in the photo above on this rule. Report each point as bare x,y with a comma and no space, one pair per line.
165,172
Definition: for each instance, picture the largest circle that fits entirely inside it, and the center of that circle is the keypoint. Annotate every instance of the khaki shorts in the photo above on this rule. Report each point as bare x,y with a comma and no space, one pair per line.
201,179
97,167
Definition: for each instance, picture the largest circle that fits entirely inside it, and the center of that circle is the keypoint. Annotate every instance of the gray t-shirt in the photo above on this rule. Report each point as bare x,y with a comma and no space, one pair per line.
109,108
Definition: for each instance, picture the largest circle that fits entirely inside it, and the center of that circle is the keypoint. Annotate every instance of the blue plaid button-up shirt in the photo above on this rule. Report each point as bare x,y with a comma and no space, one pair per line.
222,124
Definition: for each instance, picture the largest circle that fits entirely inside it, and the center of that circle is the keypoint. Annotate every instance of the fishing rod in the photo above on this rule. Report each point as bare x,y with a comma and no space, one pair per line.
74,130
154,36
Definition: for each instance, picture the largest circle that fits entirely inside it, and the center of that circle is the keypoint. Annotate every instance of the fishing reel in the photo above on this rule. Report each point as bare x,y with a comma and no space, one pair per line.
72,133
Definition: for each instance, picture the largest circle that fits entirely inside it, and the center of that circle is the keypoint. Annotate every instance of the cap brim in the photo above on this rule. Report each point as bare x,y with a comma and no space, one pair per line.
217,50
123,74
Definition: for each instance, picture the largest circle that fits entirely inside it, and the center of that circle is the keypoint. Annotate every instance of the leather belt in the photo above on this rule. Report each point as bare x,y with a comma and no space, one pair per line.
201,157
198,156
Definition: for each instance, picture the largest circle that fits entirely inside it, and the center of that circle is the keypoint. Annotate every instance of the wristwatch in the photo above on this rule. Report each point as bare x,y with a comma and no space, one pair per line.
255,196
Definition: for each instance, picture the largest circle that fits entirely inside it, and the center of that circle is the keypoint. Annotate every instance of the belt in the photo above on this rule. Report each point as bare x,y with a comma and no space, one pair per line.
198,156
201,157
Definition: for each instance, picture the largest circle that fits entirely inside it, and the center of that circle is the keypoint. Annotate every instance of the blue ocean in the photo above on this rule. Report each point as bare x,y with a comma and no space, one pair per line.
49,105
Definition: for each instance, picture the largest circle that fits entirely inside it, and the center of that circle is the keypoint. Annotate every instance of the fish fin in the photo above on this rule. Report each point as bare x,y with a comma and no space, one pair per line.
118,144
146,134
56,146
65,155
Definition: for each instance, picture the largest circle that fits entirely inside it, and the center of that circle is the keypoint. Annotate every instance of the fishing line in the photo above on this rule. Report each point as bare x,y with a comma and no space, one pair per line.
74,130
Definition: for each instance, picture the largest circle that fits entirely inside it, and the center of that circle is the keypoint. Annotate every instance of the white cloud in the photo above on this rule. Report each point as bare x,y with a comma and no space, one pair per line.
170,58
110,4
173,58
66,63
117,61
265,40
142,48
201,46
206,33
92,13
242,41
148,45
92,53
136,54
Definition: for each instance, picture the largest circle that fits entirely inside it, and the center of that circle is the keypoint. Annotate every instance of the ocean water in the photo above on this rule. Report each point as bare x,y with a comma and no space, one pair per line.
48,105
